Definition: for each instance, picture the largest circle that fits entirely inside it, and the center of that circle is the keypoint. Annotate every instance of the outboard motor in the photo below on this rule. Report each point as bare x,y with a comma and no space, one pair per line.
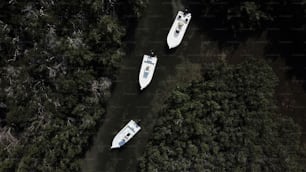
152,53
185,11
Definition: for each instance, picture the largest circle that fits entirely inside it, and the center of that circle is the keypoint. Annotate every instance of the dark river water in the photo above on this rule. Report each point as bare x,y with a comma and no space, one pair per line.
127,102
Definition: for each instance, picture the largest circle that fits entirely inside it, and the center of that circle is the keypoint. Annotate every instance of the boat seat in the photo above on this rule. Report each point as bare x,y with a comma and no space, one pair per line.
122,142
145,74
149,62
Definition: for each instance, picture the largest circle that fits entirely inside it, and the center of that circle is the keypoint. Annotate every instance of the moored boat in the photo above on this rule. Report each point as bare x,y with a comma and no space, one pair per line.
178,28
125,134
147,70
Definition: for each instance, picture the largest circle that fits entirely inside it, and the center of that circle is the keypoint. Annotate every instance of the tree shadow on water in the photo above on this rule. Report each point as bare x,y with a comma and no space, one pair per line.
287,38
216,27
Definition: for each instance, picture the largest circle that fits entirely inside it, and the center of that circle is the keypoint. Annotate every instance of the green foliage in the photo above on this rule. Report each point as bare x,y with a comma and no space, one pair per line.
56,61
226,122
246,14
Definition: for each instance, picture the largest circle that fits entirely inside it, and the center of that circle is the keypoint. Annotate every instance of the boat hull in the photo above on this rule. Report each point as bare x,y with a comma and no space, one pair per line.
147,70
178,29
125,134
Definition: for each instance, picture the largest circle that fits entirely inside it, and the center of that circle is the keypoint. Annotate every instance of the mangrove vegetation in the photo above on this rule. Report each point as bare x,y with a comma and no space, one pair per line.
57,60
228,121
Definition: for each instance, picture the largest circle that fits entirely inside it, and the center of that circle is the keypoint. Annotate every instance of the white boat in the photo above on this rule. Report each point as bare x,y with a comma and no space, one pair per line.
178,29
125,134
147,70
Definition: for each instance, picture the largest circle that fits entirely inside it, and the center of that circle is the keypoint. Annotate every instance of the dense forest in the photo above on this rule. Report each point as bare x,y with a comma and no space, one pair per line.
228,121
57,62
238,15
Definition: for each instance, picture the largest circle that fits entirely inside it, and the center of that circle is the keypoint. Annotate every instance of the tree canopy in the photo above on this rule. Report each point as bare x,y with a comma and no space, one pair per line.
58,59
246,14
228,121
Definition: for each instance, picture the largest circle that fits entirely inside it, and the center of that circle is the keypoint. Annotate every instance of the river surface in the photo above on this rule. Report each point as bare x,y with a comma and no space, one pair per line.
127,102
